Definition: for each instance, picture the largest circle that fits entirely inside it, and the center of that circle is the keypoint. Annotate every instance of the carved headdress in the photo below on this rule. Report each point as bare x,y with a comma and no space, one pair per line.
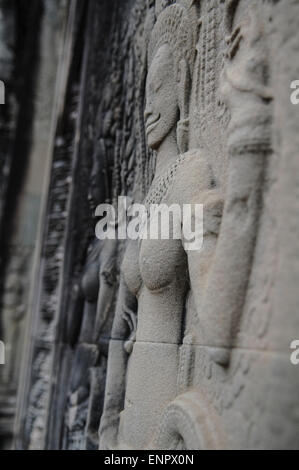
175,27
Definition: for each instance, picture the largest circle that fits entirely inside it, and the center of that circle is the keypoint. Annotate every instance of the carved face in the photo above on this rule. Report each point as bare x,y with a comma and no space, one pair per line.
162,111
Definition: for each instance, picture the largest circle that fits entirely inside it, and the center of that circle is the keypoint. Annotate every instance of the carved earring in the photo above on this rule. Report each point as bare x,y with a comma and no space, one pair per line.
184,84
183,135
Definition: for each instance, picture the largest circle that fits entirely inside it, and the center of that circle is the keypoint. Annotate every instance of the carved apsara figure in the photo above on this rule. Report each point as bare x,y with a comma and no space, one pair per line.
158,277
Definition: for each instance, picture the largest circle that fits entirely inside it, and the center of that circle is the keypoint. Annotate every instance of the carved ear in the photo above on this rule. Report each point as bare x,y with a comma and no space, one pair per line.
183,135
184,86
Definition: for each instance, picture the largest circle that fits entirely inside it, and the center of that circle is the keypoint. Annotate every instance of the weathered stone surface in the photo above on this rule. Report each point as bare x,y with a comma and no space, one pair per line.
29,57
211,105
146,344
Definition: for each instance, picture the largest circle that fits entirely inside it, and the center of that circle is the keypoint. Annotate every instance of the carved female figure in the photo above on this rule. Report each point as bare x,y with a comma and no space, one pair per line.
157,274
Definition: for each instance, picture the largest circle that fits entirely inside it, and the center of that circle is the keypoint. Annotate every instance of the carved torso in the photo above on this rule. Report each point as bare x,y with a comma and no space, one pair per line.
156,271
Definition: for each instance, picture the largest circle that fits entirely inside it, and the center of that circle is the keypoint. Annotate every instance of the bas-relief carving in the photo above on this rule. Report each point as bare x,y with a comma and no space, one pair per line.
173,373
34,426
118,127
190,423
117,131
162,272
8,113
13,307
207,289
98,287
37,402
89,325
245,90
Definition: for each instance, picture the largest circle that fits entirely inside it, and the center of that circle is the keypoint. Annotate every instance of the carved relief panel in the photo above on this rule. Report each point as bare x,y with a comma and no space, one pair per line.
150,341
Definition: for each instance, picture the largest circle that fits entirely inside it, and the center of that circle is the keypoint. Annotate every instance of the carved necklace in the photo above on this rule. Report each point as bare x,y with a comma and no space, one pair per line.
159,189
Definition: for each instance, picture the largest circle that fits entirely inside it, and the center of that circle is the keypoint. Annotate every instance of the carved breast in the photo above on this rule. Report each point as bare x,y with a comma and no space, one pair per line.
161,262
156,263
153,263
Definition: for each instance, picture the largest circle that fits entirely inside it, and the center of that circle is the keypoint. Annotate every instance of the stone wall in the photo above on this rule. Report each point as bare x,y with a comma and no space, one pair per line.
30,47
146,344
